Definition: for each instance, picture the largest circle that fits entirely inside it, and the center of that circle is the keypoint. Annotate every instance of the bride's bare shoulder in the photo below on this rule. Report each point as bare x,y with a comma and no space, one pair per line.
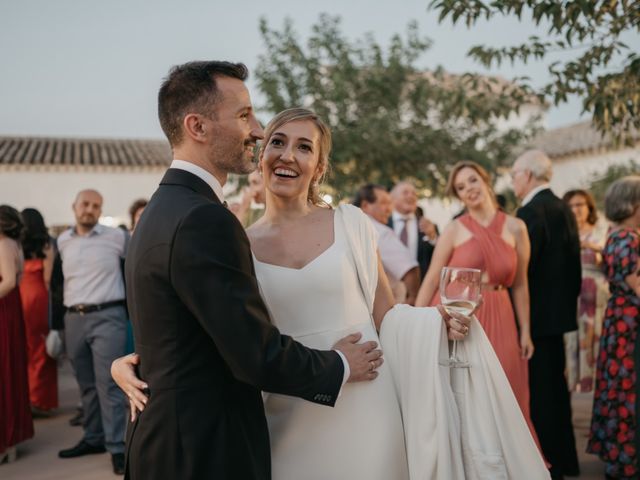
256,230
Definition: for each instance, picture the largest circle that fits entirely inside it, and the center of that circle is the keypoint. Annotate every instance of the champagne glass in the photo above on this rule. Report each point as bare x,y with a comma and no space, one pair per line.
459,292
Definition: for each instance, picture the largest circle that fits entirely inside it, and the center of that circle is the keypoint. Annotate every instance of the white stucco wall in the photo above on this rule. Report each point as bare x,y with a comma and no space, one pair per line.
578,171
52,189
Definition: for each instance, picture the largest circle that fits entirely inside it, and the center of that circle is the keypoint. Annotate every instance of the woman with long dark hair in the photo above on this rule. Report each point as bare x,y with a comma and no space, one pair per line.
16,424
38,264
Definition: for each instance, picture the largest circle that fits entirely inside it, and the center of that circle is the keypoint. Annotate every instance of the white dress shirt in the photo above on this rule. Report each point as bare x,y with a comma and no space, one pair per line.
201,173
412,230
529,196
91,265
396,258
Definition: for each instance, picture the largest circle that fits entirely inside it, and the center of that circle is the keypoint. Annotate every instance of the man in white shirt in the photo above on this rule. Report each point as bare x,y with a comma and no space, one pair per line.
404,223
89,261
401,268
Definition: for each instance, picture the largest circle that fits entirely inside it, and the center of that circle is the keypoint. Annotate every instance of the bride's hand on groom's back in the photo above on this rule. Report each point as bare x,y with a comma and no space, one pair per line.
364,358
124,374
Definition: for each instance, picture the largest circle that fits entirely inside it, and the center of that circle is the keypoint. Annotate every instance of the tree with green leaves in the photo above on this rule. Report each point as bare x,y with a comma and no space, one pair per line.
390,119
605,72
600,183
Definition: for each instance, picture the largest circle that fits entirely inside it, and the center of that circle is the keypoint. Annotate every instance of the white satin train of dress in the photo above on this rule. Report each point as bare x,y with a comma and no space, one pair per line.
417,420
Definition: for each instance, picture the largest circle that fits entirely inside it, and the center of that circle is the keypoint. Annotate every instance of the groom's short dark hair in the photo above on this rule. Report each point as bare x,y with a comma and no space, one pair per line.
191,88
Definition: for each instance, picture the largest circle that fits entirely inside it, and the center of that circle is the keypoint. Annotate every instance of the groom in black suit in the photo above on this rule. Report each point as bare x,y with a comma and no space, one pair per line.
203,335
555,278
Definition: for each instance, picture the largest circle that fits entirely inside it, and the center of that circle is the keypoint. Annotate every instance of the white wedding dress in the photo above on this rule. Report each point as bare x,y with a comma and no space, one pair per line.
417,420
362,436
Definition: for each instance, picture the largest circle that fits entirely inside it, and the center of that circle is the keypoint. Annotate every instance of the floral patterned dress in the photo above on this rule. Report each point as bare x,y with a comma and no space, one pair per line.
613,423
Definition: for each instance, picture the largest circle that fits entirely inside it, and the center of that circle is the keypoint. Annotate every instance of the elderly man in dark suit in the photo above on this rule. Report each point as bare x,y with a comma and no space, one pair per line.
554,284
205,341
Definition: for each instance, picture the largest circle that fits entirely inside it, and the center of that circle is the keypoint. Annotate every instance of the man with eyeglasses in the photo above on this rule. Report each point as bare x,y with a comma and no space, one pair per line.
554,284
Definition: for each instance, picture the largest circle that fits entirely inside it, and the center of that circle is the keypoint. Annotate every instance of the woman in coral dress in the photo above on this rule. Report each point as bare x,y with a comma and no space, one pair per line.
16,424
38,253
498,244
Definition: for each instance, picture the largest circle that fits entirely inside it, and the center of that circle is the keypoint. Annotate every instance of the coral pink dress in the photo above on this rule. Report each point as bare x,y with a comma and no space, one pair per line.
486,250
43,370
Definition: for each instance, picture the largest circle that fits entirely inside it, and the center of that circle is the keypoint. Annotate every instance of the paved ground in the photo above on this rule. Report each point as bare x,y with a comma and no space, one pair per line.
38,459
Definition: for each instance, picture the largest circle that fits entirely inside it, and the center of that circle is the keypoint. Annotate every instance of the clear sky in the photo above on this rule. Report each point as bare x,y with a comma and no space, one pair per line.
93,68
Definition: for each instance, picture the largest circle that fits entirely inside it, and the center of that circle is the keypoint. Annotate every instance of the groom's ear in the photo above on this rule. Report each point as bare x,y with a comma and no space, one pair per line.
195,127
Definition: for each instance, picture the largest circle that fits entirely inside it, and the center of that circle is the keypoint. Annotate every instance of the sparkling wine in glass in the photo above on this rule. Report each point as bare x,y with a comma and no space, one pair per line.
460,293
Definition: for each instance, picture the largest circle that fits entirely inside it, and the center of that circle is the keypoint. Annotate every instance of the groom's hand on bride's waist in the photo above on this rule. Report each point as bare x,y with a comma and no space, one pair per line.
363,358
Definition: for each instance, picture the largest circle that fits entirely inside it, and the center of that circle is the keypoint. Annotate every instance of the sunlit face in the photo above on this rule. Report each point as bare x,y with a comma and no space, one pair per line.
380,209
580,208
470,187
290,159
520,177
405,199
232,129
256,186
87,208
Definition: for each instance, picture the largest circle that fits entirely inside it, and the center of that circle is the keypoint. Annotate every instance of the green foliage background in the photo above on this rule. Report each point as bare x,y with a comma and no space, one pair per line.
390,120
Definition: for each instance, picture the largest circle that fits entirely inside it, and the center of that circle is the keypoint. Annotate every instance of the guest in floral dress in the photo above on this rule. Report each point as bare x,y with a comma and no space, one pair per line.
613,424
582,346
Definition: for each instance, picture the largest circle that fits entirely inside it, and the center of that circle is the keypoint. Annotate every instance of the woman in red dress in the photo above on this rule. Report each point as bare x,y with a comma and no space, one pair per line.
16,424
38,263
485,238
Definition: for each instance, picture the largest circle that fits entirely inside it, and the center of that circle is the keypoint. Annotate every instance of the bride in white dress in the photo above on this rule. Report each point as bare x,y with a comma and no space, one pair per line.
309,282
319,276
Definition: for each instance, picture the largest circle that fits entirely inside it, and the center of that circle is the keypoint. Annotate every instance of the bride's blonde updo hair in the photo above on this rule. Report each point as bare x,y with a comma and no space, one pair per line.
299,114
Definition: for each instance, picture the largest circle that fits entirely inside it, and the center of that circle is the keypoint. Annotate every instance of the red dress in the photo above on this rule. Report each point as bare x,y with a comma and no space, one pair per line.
42,369
16,424
486,250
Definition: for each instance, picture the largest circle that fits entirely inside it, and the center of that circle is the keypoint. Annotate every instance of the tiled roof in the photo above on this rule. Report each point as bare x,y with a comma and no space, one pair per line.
36,151
573,139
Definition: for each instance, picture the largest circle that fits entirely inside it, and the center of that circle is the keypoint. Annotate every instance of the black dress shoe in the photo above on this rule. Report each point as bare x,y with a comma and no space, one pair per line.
117,460
82,448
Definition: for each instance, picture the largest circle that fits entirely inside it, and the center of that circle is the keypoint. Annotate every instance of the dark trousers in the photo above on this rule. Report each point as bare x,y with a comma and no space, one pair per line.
94,340
551,405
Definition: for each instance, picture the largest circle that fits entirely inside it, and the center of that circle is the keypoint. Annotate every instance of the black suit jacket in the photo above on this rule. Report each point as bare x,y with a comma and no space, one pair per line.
206,344
425,251
555,274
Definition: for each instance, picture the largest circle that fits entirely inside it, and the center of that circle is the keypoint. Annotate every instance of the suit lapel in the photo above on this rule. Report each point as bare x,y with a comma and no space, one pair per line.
175,176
